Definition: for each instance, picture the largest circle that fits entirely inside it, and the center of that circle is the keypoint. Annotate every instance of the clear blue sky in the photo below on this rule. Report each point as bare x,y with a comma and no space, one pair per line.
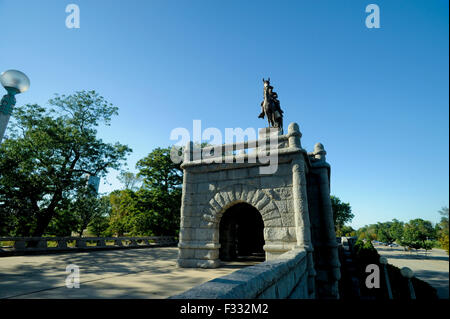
376,98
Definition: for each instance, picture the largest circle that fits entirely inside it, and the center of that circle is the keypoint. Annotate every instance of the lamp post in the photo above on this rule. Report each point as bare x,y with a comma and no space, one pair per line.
408,274
383,261
14,82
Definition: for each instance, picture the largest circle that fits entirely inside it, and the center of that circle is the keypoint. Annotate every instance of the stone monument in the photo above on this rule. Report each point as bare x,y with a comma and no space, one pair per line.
230,210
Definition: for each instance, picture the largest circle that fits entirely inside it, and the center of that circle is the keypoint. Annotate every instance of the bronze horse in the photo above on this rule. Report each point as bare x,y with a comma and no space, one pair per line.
271,106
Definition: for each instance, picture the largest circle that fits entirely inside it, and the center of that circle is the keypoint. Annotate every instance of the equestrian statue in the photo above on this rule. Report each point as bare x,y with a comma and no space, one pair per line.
270,106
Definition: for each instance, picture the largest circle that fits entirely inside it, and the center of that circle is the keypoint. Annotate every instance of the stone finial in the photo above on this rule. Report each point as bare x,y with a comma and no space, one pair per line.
293,128
319,151
294,135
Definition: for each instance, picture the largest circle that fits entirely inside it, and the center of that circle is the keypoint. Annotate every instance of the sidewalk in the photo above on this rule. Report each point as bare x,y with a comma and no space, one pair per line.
133,273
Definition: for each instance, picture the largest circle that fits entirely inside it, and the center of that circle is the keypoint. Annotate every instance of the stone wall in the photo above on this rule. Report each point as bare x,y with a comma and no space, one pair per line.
326,259
42,245
280,278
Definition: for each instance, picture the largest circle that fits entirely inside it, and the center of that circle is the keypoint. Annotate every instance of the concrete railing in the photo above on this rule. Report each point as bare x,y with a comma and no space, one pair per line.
270,142
281,278
17,245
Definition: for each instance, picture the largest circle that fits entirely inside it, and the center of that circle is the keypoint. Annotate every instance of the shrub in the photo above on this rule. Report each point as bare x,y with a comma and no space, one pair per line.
366,254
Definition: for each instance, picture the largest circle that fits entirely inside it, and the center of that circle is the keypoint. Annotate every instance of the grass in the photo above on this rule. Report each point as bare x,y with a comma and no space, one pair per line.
72,243
6,244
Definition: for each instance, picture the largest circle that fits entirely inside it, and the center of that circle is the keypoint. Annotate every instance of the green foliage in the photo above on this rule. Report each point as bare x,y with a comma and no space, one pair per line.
396,230
364,251
419,230
99,226
389,232
442,229
86,207
159,172
443,241
124,205
62,224
7,220
129,180
347,231
367,232
99,223
342,213
365,254
159,212
417,234
154,209
43,161
383,232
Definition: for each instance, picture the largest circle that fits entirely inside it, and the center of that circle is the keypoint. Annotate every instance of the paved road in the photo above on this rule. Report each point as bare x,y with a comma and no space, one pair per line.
431,267
131,273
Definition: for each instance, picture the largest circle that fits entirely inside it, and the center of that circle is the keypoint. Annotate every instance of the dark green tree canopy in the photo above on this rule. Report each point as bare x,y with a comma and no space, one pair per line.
342,213
158,171
419,230
443,229
47,153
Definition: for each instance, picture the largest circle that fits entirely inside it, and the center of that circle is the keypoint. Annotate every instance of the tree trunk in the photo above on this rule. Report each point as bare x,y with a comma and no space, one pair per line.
41,223
46,215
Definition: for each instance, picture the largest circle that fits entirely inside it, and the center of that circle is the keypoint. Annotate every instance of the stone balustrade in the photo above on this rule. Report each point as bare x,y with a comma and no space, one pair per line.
281,278
270,139
21,245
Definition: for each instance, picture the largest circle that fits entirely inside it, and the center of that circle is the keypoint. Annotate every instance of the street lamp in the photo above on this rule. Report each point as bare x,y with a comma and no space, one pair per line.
409,274
384,261
14,82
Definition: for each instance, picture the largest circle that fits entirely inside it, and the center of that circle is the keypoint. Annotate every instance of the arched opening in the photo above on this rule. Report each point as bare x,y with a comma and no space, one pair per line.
241,234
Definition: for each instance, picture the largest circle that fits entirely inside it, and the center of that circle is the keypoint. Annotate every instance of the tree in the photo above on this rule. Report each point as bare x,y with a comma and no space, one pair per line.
62,224
396,230
124,205
129,180
160,196
384,232
417,232
43,161
443,229
342,213
348,231
159,212
100,223
159,172
87,207
368,232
